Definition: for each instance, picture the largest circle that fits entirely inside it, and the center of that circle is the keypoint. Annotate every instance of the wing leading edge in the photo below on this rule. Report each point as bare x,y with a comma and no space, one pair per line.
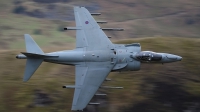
88,81
89,33
89,75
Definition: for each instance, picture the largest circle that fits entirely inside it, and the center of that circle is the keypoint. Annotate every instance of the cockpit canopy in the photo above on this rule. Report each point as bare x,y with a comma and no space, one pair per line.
148,56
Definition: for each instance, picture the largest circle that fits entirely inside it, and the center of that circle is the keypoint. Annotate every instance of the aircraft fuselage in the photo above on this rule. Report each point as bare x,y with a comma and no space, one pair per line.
124,57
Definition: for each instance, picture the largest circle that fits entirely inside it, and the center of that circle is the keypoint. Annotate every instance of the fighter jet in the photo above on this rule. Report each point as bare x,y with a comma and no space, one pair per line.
94,57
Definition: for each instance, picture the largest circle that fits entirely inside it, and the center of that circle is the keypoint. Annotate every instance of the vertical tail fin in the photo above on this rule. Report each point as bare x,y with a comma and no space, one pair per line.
32,64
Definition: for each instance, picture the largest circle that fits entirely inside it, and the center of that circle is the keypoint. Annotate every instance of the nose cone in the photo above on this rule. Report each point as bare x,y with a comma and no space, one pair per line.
174,57
168,58
179,58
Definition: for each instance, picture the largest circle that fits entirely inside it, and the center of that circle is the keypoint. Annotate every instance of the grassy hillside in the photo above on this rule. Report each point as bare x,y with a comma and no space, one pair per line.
155,88
45,19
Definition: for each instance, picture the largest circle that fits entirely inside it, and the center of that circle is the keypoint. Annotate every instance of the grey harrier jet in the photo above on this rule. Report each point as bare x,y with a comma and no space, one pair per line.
94,57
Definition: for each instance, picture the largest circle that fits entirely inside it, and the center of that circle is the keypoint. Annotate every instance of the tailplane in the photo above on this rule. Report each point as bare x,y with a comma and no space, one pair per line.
31,45
31,66
34,57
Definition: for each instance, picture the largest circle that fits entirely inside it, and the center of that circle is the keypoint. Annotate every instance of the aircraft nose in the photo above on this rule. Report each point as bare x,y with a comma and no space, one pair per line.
179,58
173,58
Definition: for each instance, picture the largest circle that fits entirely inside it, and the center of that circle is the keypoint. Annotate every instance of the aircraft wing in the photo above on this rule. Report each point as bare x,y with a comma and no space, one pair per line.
89,34
89,75
88,80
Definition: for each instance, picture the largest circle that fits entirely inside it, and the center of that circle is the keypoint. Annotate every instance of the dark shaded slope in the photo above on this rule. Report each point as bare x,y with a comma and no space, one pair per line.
155,88
172,87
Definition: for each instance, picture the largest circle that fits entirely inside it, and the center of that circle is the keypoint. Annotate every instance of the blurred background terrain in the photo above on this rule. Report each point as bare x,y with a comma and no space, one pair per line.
171,26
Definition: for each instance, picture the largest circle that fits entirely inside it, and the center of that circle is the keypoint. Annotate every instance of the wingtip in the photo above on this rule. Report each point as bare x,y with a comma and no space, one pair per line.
26,35
25,80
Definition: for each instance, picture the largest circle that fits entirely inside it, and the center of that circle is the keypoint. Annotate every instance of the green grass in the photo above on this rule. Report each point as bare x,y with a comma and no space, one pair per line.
143,19
140,87
14,26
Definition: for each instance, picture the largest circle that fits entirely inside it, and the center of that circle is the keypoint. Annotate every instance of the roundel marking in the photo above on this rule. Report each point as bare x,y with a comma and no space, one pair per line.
86,22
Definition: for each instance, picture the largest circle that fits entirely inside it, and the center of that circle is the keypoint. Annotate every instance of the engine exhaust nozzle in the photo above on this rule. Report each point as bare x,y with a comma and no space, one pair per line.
21,56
